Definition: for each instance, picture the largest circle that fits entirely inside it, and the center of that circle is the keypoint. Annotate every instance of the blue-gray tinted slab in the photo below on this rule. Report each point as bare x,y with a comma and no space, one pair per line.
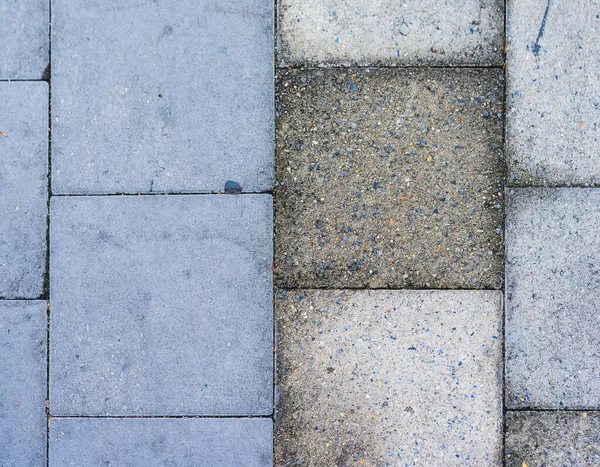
161,305
148,442
169,96
553,298
23,188
23,327
24,27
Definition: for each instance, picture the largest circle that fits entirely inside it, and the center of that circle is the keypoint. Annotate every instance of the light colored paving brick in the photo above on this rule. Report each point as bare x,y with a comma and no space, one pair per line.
553,298
23,188
387,32
553,130
169,96
389,378
23,328
161,305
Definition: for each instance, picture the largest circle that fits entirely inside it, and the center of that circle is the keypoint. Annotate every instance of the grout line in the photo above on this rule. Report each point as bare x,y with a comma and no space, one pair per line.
209,193
47,274
160,417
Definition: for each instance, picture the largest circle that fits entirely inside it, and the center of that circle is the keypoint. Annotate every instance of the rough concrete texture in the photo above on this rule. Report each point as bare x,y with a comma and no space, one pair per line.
23,188
553,130
389,378
23,327
553,298
161,305
389,178
161,442
169,96
24,27
388,32
552,439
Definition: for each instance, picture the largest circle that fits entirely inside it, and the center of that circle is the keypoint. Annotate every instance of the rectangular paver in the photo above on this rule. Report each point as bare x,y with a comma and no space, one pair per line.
553,131
388,32
389,178
161,442
23,188
553,297
169,96
389,378
161,305
24,30
23,328
557,439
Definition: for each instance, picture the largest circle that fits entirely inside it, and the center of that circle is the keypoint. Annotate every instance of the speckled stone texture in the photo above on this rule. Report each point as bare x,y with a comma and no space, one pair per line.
553,298
553,130
552,439
161,442
388,32
162,96
23,188
161,305
23,327
389,378
389,178
24,27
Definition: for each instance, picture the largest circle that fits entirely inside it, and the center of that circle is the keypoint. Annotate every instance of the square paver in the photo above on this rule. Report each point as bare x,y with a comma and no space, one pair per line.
169,96
553,298
388,32
537,439
24,30
389,178
553,131
160,442
389,378
161,305
23,188
23,330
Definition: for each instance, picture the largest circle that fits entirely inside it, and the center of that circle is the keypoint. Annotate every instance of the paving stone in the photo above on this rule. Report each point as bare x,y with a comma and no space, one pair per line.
389,178
170,96
553,132
24,34
555,439
389,378
161,305
552,288
158,442
23,327
387,32
23,188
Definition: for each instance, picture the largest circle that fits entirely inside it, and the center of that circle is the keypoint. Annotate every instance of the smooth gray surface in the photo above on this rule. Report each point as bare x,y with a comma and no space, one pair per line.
169,96
161,305
553,298
553,130
24,27
552,439
23,188
390,32
161,442
389,378
23,327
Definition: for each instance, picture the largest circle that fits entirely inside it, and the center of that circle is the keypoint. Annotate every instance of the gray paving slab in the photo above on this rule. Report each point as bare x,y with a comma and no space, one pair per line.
389,33
152,442
23,188
389,378
557,439
24,28
161,305
389,178
553,297
23,328
170,96
553,132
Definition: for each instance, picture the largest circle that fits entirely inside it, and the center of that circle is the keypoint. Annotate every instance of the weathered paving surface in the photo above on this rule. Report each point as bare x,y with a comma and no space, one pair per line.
389,178
389,378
